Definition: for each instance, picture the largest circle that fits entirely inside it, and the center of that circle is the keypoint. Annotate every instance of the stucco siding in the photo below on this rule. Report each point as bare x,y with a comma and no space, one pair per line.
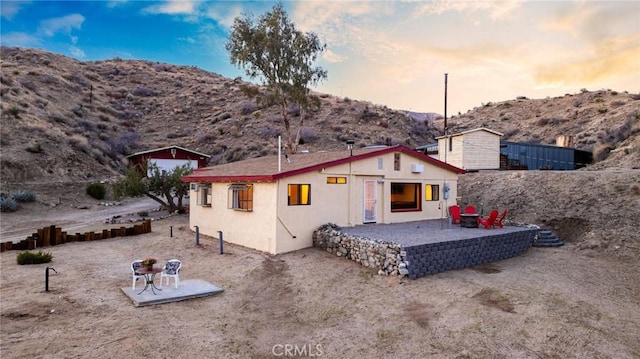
254,229
327,205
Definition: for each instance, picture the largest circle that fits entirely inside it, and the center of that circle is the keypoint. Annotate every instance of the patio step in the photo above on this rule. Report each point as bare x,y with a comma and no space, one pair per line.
547,238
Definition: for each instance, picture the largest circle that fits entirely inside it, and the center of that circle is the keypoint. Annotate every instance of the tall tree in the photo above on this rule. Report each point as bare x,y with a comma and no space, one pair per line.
158,184
282,57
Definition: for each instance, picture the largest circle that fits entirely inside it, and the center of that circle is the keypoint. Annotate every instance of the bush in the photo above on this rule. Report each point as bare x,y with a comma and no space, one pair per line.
96,190
34,258
23,196
8,204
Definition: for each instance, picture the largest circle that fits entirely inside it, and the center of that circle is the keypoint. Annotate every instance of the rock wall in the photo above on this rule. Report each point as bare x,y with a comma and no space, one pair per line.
388,258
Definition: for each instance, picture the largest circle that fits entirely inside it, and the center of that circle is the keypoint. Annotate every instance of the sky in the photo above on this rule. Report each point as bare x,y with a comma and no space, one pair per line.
393,53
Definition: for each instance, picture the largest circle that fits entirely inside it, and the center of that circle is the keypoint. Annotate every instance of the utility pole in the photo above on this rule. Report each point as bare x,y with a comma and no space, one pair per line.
445,103
446,138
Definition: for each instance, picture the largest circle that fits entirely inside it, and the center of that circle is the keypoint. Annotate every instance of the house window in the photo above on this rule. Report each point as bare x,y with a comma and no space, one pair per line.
299,194
405,197
396,162
432,192
380,164
204,194
336,180
241,197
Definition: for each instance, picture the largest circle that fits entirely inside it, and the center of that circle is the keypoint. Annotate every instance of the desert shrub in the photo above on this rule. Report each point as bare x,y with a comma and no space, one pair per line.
123,143
248,107
307,135
96,190
34,258
29,85
14,111
420,128
77,78
23,196
8,204
144,92
36,148
294,109
270,132
235,154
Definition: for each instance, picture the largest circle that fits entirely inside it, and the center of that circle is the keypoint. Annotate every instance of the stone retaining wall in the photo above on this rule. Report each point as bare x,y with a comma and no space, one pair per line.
388,258
420,260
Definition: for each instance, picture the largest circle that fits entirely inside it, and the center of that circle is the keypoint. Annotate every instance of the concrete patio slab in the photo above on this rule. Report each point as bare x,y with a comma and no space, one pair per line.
188,289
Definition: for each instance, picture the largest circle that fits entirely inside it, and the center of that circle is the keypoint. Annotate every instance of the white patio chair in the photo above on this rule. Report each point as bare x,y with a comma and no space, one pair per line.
171,270
134,266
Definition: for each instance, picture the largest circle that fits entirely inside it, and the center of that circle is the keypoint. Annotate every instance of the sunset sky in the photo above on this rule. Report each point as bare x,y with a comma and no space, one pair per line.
392,53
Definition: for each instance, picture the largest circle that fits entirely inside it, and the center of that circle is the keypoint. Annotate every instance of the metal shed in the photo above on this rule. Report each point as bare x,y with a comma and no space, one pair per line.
515,155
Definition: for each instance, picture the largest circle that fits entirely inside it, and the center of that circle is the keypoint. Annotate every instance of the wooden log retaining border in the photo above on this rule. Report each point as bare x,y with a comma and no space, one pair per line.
52,235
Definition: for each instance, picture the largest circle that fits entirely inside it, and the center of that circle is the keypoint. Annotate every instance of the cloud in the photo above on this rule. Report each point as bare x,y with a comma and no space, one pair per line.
331,57
8,9
76,52
595,69
496,9
225,14
63,24
19,39
116,3
173,7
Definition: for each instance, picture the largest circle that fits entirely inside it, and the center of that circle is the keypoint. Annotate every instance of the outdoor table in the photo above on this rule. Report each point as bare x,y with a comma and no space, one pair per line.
149,276
469,220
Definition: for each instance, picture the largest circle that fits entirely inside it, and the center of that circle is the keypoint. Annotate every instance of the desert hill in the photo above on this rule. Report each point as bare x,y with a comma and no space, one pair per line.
64,119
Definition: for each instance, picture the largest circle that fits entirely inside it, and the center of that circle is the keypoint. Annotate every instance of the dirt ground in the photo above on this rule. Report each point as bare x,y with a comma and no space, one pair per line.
561,302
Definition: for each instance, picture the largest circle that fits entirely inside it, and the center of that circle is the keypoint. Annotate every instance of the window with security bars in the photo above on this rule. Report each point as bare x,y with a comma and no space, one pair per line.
204,195
241,197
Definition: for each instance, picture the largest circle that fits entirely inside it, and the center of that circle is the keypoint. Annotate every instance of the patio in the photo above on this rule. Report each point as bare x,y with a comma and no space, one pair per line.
432,246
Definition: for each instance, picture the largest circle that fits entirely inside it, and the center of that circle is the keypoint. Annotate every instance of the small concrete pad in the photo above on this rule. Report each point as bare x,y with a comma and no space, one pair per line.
187,289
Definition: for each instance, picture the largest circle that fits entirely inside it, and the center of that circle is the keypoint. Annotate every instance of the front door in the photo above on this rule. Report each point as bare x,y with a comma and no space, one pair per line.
370,201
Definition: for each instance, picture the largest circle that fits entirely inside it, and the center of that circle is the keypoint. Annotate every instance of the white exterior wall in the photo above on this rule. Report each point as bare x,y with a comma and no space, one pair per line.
481,151
255,229
453,157
476,150
327,205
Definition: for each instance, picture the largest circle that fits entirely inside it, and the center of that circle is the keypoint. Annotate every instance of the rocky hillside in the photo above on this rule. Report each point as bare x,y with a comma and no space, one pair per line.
66,120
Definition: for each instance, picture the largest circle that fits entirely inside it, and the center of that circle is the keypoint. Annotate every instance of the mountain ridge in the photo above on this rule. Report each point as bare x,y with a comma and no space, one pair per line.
68,120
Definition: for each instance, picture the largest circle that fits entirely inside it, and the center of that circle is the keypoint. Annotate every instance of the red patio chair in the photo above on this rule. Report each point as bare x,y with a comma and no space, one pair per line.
470,209
454,212
489,222
502,217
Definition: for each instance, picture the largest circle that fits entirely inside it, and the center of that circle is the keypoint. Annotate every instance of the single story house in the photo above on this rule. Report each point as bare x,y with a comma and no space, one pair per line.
167,158
274,203
472,150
